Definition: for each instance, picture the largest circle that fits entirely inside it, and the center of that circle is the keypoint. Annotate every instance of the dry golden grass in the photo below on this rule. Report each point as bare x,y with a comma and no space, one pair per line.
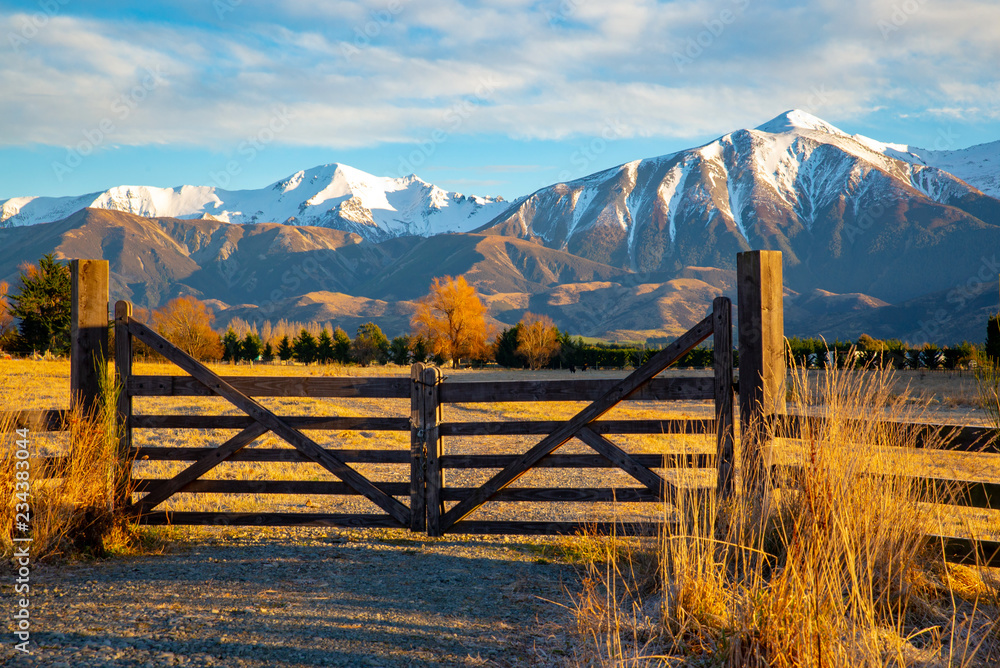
70,509
833,571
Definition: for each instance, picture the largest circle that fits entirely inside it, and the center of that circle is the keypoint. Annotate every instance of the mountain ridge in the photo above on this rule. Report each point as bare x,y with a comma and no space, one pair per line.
335,195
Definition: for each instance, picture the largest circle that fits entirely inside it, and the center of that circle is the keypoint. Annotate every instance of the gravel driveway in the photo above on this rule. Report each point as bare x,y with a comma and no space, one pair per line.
233,596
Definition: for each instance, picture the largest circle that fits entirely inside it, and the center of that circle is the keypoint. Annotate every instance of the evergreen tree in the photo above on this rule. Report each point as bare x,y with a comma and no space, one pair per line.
251,347
304,347
341,346
505,348
324,347
420,349
43,306
268,353
993,339
930,356
399,350
231,348
285,349
569,351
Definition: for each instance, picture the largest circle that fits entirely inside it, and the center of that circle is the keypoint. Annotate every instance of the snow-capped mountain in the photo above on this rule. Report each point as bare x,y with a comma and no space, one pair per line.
979,165
842,208
335,196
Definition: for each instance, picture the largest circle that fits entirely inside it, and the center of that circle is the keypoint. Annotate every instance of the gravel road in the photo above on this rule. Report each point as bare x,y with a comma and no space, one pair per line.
232,596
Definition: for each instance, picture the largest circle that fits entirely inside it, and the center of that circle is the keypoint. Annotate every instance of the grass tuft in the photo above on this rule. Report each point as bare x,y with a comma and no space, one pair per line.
834,570
72,504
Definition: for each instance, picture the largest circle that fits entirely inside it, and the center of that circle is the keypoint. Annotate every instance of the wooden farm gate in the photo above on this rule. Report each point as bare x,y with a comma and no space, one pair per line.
420,503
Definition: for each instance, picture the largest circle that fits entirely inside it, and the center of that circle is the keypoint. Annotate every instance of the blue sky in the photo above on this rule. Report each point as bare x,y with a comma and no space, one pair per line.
492,97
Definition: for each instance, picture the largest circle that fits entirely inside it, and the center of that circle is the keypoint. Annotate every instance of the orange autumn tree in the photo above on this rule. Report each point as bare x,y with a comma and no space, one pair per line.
7,329
537,339
453,319
187,323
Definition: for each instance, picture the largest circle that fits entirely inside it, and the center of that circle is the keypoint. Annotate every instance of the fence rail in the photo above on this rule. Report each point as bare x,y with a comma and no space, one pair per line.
36,420
954,437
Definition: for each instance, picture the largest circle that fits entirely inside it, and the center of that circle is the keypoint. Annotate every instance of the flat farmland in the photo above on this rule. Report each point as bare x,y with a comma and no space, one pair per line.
245,596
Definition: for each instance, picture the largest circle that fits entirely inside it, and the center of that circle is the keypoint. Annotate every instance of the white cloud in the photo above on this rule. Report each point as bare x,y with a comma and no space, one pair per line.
359,73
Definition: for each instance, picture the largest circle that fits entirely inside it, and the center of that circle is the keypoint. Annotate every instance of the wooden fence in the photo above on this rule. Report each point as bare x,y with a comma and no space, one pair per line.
422,502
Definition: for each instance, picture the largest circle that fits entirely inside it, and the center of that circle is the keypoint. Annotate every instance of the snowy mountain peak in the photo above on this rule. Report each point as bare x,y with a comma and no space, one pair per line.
794,120
334,195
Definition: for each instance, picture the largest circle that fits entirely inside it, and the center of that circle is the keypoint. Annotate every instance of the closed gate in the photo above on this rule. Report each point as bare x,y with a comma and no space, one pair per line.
420,504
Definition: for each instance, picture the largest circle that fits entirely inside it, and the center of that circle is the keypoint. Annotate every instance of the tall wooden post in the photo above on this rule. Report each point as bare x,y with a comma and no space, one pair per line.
418,452
762,360
123,371
722,354
430,419
88,333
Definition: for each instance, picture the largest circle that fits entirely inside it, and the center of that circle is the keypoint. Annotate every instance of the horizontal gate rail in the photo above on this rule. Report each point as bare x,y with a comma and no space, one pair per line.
658,389
272,519
273,386
526,428
295,421
693,388
336,488
663,461
672,427
317,487
272,455
36,420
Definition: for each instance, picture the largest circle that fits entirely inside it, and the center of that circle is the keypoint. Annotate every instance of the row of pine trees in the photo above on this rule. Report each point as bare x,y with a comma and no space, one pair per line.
369,346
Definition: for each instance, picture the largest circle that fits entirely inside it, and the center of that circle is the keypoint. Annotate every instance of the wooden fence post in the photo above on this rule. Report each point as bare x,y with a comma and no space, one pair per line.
762,361
429,421
722,357
88,332
418,452
123,371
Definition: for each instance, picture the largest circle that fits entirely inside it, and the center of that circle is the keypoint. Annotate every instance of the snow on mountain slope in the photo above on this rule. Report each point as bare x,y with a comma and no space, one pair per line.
979,165
335,196
795,183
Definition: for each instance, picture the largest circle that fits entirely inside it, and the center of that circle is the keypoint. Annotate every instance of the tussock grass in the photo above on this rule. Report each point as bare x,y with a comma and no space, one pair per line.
71,505
832,570
988,386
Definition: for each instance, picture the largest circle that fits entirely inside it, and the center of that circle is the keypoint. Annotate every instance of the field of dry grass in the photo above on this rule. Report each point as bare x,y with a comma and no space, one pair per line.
674,596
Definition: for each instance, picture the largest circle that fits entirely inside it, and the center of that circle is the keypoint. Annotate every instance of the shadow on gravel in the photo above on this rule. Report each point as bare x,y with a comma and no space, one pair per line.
333,601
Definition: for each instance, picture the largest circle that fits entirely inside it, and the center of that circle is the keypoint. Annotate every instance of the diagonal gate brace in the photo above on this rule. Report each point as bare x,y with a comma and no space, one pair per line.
625,461
271,422
568,430
168,488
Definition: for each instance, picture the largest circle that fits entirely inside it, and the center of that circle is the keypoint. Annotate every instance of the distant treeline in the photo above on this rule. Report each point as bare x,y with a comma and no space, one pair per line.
816,353
809,353
574,353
